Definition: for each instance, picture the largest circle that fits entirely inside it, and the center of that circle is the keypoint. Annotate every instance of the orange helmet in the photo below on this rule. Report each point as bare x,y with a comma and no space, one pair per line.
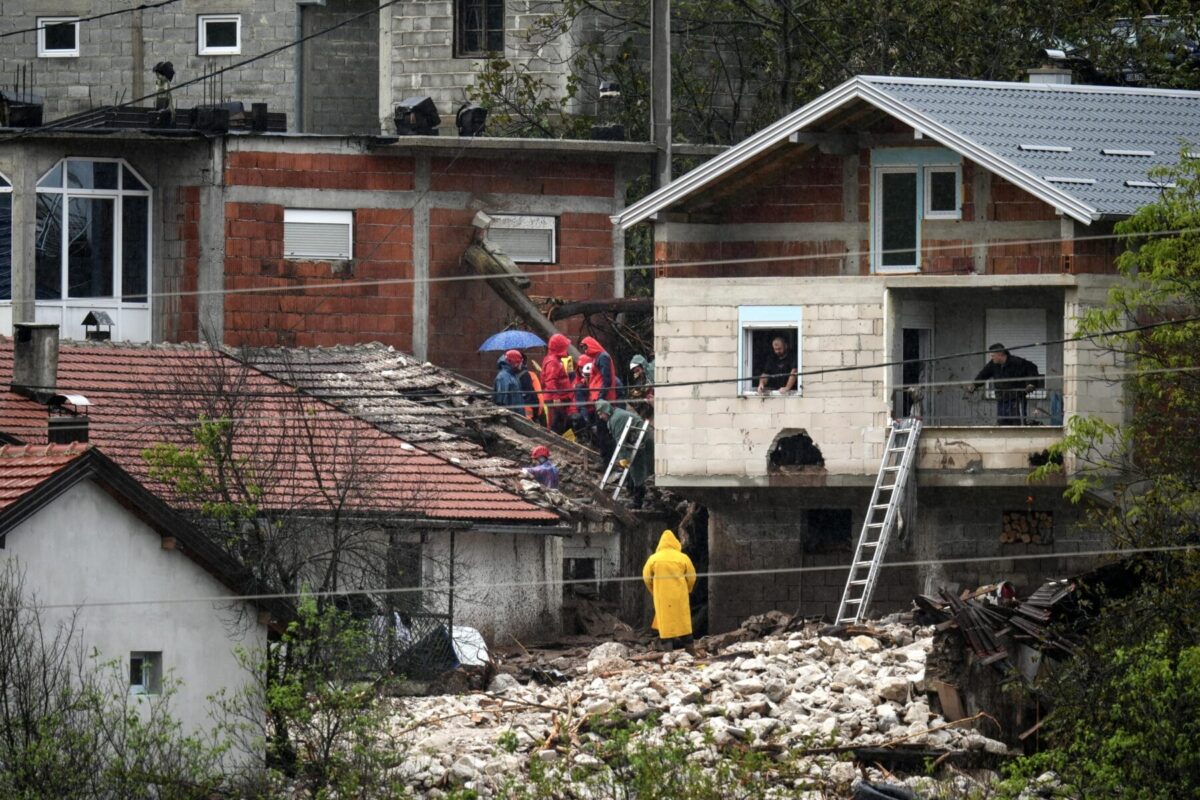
541,451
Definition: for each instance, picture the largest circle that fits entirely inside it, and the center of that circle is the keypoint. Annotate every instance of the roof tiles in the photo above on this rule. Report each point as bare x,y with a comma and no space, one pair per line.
23,468
297,451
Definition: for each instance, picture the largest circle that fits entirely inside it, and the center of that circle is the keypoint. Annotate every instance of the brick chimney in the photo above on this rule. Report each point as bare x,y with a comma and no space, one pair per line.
35,360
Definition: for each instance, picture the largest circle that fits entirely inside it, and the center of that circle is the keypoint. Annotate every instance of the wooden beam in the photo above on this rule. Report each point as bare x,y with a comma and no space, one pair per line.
490,262
617,305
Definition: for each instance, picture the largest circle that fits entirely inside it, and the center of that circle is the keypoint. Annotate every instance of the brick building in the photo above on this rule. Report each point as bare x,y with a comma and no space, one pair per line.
246,239
893,220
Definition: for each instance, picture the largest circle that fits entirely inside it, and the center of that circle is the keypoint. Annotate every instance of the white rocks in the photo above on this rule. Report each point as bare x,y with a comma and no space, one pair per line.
843,772
886,717
749,686
866,644
893,689
547,756
502,683
466,768
917,713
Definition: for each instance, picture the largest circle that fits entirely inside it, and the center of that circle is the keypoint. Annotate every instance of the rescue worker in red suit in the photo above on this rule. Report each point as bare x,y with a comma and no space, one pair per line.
556,384
603,385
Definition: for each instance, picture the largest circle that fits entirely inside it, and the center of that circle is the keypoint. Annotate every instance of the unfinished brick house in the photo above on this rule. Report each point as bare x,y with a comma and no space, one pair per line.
247,239
893,220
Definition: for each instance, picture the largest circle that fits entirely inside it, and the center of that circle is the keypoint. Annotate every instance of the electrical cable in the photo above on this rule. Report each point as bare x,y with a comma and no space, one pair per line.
479,587
143,7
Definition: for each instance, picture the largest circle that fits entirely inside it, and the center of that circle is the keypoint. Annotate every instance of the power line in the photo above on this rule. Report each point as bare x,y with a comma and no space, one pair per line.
143,7
550,272
65,124
478,587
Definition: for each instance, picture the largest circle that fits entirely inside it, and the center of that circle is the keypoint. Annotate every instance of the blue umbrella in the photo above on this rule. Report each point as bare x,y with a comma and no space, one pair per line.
511,340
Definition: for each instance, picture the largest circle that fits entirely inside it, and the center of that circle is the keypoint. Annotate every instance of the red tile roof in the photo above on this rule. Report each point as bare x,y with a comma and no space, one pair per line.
300,452
23,468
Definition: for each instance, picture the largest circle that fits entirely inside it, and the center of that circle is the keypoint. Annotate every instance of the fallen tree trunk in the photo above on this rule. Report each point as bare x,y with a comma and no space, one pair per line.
617,305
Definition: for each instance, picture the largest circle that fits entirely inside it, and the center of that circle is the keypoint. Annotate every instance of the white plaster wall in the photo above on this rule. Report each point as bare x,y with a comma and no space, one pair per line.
706,434
485,567
86,548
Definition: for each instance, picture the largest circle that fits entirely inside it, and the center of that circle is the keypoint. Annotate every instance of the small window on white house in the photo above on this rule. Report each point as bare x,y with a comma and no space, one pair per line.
758,356
318,235
220,34
525,239
145,673
942,193
58,37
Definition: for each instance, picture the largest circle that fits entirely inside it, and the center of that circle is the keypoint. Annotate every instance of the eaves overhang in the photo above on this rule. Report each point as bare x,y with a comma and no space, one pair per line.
856,89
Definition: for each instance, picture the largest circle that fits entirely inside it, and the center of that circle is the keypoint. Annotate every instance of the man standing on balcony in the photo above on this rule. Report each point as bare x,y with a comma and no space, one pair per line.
1012,378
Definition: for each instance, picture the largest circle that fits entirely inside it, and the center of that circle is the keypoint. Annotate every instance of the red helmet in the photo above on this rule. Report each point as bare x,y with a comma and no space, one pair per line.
541,451
513,357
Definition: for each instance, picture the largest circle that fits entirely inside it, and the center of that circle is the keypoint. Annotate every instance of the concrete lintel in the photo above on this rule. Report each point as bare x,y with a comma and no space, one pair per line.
420,257
682,482
362,198
765,232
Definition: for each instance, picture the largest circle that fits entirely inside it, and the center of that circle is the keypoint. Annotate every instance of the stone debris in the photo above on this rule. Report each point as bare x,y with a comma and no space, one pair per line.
786,694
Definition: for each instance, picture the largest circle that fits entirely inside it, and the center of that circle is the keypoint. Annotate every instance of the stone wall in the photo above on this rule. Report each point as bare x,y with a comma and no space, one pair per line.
341,68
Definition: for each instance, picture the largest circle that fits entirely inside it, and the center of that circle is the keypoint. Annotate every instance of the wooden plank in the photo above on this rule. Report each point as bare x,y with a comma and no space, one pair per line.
950,700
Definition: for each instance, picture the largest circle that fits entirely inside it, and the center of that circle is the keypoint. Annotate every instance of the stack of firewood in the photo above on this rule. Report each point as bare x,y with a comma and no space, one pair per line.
1027,527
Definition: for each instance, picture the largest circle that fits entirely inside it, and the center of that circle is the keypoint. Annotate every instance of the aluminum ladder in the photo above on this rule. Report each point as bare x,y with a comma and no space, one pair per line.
642,427
880,522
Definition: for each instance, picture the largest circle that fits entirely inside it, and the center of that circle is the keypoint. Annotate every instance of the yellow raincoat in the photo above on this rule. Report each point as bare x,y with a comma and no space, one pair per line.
670,576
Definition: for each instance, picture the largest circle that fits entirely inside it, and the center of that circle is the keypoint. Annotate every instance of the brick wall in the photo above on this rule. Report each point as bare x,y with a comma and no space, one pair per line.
361,312
318,171
341,68
181,238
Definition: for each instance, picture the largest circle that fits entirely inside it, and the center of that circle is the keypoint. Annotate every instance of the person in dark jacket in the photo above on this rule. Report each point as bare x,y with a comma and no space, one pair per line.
506,390
1013,378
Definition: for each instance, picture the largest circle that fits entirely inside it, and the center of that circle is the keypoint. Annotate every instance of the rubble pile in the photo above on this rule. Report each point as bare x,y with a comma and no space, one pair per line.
823,703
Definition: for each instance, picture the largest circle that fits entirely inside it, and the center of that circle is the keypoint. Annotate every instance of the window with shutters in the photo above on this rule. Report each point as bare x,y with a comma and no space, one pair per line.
525,239
318,235
1019,326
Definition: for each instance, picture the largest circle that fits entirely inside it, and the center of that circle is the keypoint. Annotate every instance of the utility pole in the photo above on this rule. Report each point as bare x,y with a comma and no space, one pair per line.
660,89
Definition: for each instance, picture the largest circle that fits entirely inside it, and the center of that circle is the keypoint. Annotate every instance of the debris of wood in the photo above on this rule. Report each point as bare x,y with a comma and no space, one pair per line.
950,700
618,305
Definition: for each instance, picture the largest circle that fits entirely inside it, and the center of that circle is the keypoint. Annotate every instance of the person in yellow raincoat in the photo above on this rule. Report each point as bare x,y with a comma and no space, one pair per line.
670,577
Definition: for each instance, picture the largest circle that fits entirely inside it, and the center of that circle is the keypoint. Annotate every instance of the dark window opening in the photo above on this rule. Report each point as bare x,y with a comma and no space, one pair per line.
898,220
221,33
479,27
827,530
5,245
60,35
794,449
943,191
763,354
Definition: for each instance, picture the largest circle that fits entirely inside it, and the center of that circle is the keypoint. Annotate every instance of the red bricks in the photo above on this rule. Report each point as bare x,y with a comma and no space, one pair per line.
319,171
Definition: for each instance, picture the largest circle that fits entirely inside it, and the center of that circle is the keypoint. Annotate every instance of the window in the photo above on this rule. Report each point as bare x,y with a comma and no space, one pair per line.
58,37
525,239
5,239
145,673
759,327
478,27
93,232
317,235
219,34
943,193
1017,326
910,185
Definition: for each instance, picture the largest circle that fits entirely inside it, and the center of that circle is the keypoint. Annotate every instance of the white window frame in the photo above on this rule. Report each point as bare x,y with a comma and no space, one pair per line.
42,50
533,222
314,216
151,673
202,45
758,318
930,213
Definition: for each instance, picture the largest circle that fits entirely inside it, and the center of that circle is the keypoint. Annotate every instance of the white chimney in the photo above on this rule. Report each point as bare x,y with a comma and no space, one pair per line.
1053,75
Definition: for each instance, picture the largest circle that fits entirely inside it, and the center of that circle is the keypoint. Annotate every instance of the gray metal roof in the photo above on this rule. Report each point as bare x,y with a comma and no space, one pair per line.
1088,120
1065,130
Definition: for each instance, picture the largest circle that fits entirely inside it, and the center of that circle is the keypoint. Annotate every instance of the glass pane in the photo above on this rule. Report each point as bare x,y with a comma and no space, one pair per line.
48,248
221,33
60,36
53,178
131,180
898,207
943,191
92,174
495,25
135,252
5,246
90,247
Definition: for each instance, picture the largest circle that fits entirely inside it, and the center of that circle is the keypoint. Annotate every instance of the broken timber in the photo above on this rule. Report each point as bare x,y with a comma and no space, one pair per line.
618,305
510,283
